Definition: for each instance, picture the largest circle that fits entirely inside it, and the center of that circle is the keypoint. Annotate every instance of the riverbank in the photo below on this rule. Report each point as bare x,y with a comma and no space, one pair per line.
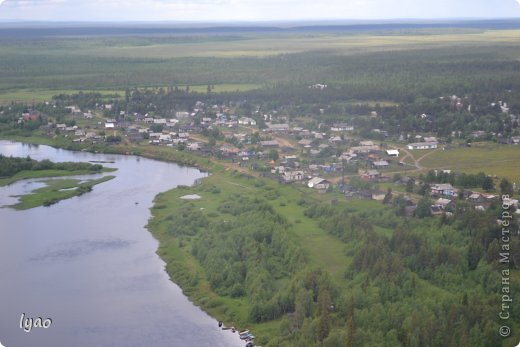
183,158
196,235
57,190
182,267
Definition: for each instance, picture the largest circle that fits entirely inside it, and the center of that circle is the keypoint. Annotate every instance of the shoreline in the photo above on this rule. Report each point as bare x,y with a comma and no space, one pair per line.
154,155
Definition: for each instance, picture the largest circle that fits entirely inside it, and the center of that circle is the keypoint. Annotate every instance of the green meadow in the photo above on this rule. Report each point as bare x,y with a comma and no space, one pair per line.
492,159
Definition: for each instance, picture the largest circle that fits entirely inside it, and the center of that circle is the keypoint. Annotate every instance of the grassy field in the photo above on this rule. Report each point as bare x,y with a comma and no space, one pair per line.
265,45
492,159
57,190
43,95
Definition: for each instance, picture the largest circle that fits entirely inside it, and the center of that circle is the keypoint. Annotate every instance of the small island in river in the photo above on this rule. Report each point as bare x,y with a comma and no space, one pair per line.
15,169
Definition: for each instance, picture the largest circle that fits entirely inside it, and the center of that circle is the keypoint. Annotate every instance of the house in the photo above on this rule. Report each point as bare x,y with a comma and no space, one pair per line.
229,149
31,116
318,86
436,210
444,203
160,121
444,189
278,169
366,143
378,195
392,152
318,183
165,138
277,127
246,121
338,127
476,198
364,149
369,175
73,109
380,164
510,202
110,125
270,144
305,142
323,146
335,139
422,145
293,176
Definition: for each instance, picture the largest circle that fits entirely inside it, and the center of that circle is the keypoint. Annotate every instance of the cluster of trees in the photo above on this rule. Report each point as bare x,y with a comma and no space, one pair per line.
10,166
247,253
462,179
390,274
410,282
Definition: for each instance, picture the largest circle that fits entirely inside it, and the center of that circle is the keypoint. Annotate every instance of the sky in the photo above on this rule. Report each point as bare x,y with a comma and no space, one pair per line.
252,10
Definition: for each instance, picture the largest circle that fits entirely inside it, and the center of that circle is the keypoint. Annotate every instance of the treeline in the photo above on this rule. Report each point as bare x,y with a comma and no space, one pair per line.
461,179
10,166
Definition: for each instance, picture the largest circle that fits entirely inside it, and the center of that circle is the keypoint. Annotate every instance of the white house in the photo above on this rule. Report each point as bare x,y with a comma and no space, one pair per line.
246,121
422,145
318,183
392,152
341,127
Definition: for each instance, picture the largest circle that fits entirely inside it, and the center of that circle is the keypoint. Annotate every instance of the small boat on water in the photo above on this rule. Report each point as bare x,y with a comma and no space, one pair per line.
246,335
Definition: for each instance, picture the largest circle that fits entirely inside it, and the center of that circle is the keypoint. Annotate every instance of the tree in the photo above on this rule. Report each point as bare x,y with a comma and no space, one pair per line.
423,208
273,154
506,188
324,323
388,196
409,185
350,324
488,184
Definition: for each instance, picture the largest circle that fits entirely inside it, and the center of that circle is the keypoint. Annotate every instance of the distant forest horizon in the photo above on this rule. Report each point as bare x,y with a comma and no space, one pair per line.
56,28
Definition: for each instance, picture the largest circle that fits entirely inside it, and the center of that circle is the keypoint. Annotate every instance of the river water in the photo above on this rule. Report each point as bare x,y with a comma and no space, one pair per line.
89,263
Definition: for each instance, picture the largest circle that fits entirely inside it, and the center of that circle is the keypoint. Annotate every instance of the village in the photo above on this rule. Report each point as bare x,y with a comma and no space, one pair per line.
325,157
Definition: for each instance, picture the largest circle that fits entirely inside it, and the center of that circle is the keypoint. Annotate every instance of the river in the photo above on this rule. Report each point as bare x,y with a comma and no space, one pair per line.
89,263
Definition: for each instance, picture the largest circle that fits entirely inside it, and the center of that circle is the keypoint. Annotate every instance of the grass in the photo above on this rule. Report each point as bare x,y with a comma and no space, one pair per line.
36,95
265,45
490,158
57,190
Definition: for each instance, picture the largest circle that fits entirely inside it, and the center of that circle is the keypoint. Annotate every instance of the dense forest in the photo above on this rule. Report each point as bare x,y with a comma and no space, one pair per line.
409,281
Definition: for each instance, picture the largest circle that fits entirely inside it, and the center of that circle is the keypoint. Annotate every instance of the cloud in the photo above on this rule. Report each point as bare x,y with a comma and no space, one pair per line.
225,10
